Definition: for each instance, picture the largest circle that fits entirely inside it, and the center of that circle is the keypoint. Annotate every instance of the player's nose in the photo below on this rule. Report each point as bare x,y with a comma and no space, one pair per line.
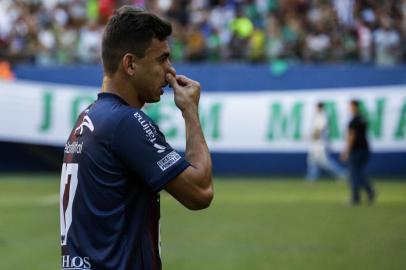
171,70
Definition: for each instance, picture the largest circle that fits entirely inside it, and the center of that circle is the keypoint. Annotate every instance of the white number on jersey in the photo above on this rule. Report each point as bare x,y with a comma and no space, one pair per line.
69,183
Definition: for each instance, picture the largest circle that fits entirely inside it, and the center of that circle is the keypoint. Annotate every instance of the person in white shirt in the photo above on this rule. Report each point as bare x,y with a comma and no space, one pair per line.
318,155
387,43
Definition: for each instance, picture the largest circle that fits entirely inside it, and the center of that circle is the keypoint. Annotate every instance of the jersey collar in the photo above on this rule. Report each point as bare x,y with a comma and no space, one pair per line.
104,95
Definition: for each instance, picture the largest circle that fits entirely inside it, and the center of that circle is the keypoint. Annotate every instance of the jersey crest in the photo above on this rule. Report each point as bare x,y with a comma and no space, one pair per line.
87,122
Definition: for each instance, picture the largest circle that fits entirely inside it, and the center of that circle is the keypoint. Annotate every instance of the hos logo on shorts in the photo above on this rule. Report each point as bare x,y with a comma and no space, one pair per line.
76,263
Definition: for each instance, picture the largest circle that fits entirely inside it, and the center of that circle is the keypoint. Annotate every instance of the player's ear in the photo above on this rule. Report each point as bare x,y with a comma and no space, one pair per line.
129,63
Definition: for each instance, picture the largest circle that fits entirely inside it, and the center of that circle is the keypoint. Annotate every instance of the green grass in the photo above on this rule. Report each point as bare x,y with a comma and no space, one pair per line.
251,224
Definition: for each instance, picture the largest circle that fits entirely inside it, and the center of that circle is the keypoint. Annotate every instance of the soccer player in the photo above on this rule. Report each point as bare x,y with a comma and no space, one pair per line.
116,159
319,155
357,154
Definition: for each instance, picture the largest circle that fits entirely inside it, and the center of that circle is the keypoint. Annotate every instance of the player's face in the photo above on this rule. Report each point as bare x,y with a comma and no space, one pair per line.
353,109
151,71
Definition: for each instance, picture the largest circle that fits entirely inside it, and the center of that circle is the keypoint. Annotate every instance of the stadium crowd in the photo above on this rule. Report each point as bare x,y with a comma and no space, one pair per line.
69,31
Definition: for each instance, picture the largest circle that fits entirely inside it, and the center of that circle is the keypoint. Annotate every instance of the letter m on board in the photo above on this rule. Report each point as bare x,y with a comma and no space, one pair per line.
285,124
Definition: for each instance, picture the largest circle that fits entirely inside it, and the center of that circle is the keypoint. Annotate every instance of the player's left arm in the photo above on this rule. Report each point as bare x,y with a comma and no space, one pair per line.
349,144
194,186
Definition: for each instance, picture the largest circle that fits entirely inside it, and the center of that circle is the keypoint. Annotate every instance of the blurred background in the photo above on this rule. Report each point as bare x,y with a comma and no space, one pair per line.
263,66
282,57
45,32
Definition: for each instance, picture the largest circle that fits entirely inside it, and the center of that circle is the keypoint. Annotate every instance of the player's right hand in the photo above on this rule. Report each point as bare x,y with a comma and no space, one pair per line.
187,92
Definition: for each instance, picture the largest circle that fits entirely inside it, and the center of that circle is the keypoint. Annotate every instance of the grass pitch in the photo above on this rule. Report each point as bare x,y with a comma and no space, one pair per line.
252,224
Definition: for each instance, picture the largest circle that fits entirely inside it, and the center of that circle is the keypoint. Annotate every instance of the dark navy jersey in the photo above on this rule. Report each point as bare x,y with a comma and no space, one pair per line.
360,128
116,161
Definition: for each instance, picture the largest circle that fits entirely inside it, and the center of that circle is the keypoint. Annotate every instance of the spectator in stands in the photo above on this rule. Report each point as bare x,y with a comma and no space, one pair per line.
220,15
177,11
214,48
293,31
47,45
195,44
402,8
316,30
89,49
256,45
275,47
67,37
387,43
77,11
364,45
241,29
345,12
349,43
318,44
176,42
106,9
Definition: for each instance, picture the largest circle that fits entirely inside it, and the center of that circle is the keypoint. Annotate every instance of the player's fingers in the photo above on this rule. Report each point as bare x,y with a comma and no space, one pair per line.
171,80
172,71
183,80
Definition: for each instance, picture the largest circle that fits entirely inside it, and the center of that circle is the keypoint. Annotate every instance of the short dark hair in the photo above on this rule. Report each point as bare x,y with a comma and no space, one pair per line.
130,30
320,105
355,103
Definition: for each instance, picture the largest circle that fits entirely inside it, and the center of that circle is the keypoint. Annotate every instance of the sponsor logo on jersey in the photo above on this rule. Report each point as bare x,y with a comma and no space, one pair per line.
168,160
160,148
76,263
73,148
87,122
147,126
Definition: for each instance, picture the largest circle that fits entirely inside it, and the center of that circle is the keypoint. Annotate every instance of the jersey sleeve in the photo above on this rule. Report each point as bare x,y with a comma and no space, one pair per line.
353,124
143,149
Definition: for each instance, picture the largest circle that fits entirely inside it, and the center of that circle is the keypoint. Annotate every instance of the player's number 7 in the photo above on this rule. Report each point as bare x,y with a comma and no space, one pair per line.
69,183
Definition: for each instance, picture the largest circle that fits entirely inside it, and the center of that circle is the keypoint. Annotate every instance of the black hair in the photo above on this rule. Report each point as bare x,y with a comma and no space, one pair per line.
355,103
130,30
320,105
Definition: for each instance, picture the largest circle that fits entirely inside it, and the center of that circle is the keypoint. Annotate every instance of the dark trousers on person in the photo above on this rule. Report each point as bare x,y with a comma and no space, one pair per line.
358,178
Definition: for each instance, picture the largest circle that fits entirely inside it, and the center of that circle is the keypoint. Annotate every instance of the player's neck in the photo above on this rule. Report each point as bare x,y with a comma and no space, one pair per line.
122,89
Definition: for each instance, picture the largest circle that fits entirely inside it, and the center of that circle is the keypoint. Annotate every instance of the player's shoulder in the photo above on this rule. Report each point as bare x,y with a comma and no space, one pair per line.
110,108
136,119
136,128
355,122
114,115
